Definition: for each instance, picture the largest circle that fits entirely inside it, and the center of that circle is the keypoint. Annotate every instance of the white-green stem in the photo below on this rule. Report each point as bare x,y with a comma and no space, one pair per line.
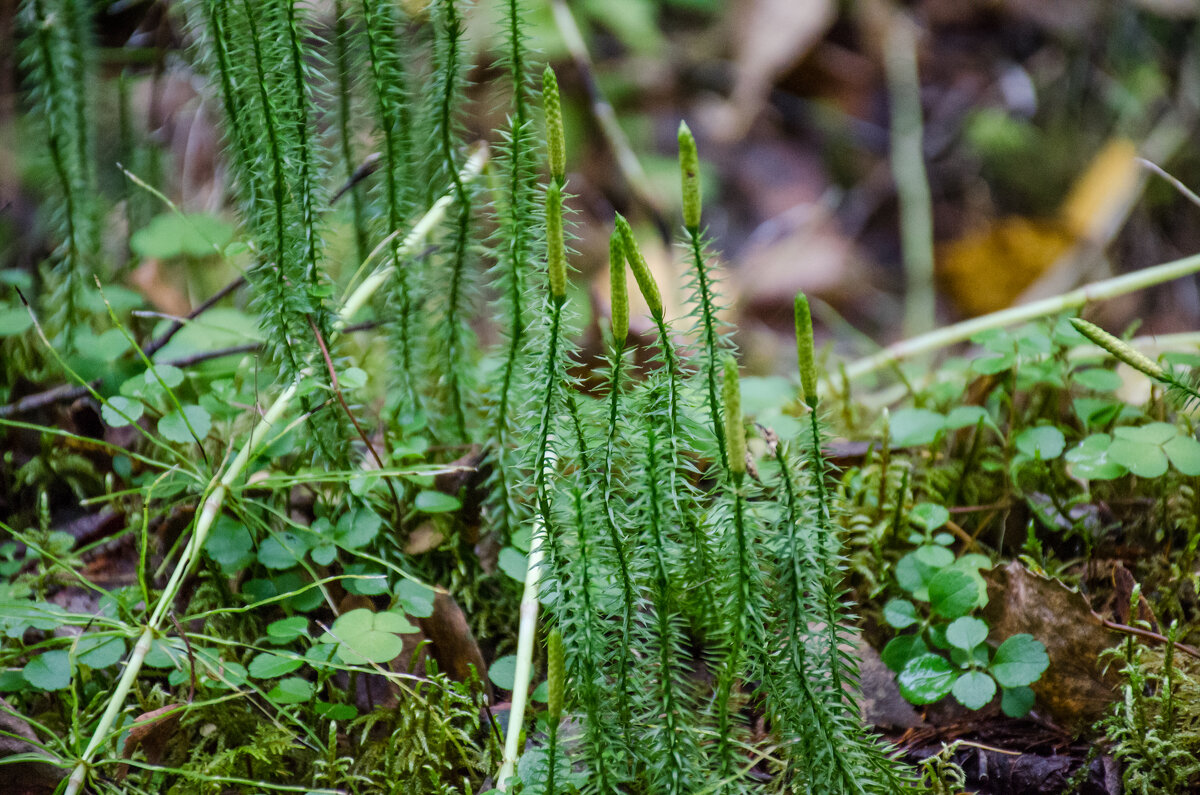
908,170
960,332
219,488
524,671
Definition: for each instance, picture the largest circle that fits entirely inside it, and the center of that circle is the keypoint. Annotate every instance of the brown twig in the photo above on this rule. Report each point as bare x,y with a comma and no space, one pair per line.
1147,634
337,391
67,392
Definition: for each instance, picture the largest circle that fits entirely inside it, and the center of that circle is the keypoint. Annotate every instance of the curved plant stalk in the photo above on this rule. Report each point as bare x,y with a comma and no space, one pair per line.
214,498
960,332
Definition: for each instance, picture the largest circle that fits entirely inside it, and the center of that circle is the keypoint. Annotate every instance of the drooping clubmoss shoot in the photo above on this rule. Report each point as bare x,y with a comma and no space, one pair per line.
1120,349
556,139
804,351
619,298
735,431
556,250
641,270
689,169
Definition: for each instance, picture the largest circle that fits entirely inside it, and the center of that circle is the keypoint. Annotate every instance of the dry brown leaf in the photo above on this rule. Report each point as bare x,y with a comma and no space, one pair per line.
151,731
1074,691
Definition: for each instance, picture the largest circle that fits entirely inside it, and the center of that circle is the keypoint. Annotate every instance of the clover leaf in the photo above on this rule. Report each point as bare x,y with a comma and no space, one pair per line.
363,636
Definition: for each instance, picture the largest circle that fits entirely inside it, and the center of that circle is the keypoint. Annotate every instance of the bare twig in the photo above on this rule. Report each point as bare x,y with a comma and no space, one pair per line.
337,391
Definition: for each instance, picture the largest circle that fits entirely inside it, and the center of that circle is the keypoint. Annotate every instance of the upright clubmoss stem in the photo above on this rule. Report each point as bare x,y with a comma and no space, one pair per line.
689,173
743,564
620,329
689,169
556,139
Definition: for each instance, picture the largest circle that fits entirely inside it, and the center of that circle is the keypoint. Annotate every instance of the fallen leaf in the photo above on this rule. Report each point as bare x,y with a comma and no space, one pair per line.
1074,691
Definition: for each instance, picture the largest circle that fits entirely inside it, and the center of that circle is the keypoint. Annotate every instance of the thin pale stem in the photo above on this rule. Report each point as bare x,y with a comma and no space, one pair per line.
215,498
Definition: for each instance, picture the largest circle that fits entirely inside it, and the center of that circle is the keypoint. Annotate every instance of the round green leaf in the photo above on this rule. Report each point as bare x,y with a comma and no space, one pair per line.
1098,379
1044,442
1089,459
926,679
929,515
1184,452
1019,661
229,543
99,651
353,378
900,613
168,374
267,665
1150,433
357,528
1016,701
1146,460
171,235
974,689
429,501
934,556
49,671
513,563
966,417
292,690
415,598
173,426
364,636
14,320
915,427
116,406
503,671
966,632
952,593
285,630
282,550
900,650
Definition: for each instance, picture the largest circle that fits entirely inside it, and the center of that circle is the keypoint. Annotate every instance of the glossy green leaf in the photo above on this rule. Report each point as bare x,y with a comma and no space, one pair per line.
48,671
364,636
173,426
974,689
118,411
915,427
415,598
1019,661
99,651
268,665
503,671
285,630
1044,442
952,593
1146,460
1016,701
901,649
1184,453
900,613
292,690
966,632
430,501
926,679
